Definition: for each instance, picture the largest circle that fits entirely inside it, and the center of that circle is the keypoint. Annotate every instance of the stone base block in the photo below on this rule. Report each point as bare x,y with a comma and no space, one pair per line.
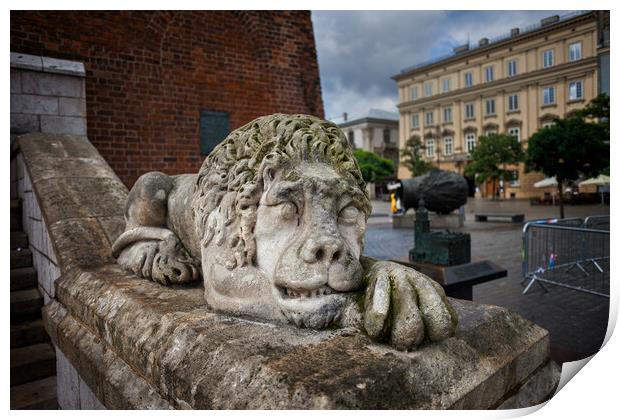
438,221
135,344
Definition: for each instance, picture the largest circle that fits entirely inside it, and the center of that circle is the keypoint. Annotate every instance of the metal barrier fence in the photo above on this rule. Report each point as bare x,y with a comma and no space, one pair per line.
597,222
566,256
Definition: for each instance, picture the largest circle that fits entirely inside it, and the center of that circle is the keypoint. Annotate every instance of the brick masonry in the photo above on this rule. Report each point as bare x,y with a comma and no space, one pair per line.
149,73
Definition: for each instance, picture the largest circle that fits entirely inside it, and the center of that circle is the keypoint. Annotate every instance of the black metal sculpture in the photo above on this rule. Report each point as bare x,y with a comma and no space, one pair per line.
443,191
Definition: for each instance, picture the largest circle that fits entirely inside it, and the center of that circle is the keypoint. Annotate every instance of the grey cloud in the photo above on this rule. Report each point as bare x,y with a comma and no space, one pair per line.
359,51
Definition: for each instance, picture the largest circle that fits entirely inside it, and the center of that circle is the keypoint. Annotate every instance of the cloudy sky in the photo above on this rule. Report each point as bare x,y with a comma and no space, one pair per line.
359,51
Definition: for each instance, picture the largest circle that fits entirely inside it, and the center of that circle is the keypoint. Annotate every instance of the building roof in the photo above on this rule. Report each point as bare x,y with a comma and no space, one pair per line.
469,49
373,115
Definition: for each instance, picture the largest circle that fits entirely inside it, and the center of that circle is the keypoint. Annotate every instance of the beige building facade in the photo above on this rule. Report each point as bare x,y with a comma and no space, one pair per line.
515,85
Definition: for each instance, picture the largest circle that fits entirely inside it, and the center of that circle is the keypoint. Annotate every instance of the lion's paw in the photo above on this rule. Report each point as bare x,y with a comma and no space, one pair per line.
165,262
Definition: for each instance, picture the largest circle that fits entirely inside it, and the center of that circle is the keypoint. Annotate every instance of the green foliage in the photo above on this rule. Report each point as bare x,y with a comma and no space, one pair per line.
569,149
491,156
573,147
411,157
374,168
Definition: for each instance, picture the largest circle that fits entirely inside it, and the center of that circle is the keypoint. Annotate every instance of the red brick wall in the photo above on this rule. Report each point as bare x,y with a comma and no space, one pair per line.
148,75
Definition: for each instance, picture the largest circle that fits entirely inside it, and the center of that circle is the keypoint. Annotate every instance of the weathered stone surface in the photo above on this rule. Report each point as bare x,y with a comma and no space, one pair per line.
37,145
80,242
52,84
34,104
73,107
190,356
68,198
26,61
63,125
538,388
55,65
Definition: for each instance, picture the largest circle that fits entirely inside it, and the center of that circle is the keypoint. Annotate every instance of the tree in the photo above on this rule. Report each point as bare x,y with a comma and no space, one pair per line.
491,157
374,168
412,157
569,149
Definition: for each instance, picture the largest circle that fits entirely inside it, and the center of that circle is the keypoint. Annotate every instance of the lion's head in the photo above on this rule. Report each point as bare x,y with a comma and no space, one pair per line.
280,208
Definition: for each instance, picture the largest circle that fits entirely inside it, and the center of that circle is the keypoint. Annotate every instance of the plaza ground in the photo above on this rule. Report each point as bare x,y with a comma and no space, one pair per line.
576,321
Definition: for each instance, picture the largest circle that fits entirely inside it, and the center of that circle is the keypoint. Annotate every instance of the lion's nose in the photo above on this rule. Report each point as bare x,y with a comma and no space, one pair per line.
326,249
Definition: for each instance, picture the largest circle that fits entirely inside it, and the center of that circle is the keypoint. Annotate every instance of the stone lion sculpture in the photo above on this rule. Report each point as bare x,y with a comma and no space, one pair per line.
274,223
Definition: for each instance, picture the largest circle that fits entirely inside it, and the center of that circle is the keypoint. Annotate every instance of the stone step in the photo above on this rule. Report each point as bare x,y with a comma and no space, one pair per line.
35,395
23,278
28,333
32,362
19,240
21,258
26,304
16,215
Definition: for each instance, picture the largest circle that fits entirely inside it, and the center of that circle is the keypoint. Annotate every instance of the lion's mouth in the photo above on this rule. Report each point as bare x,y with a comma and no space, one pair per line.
289,293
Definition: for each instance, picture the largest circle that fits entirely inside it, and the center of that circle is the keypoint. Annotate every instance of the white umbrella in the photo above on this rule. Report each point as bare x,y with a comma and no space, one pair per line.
599,180
547,182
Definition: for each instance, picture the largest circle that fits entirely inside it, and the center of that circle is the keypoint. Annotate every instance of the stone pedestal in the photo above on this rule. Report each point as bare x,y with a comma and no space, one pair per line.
136,344
438,221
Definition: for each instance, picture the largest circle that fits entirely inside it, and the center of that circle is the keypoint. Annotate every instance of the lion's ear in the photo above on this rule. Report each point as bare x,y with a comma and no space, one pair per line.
269,174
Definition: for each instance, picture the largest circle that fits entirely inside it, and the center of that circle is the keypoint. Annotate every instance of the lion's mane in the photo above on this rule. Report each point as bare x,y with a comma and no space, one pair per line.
230,179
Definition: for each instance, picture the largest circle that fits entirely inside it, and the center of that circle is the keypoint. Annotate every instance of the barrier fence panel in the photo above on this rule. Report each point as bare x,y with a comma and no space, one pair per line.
561,255
597,222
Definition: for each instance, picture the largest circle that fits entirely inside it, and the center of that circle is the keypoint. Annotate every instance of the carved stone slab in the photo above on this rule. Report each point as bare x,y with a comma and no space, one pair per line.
177,353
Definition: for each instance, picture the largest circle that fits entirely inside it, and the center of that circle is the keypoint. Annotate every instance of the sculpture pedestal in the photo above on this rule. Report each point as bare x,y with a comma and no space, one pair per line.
134,344
438,221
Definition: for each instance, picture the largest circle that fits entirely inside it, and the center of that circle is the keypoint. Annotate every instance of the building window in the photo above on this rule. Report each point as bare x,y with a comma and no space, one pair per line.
447,146
490,107
513,102
351,136
574,51
470,142
548,95
386,135
414,93
428,89
429,118
488,74
515,132
415,121
547,124
490,132
445,85
514,178
469,79
512,68
447,114
430,147
547,58
214,127
469,110
575,90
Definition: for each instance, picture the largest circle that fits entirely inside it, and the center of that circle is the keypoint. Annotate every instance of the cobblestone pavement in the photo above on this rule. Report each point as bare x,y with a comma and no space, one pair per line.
576,321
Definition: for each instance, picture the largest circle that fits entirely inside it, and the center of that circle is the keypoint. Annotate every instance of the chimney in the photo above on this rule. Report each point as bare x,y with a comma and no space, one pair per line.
514,32
345,116
460,48
549,20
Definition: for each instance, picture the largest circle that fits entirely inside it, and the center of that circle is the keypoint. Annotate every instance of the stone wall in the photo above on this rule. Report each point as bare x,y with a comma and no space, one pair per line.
47,95
58,180
150,73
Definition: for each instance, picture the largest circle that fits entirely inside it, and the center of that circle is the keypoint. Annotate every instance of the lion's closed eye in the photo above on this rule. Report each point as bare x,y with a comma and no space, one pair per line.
287,210
348,215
